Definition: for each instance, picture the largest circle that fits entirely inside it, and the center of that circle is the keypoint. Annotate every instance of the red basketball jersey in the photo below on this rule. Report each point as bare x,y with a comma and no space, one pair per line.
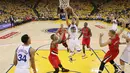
85,32
114,46
54,49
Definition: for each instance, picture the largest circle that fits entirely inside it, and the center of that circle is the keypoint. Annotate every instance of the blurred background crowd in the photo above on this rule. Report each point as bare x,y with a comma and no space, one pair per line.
22,10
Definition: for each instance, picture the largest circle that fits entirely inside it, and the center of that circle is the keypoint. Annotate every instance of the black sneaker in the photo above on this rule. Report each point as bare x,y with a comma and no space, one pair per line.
65,70
122,72
116,71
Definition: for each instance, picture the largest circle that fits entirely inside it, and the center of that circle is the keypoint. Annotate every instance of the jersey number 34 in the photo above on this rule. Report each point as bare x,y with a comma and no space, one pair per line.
22,57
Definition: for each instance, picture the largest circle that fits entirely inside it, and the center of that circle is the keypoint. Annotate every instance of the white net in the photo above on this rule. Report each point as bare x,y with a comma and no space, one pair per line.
64,3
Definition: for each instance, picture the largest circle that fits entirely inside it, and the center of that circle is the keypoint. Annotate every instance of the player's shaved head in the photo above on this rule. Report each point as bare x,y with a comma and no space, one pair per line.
52,36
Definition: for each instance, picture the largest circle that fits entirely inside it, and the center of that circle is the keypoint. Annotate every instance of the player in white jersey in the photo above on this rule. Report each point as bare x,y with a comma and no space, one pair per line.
115,24
74,43
24,56
125,57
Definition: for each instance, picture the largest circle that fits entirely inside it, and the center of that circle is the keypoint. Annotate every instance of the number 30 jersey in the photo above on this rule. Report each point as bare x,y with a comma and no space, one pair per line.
23,57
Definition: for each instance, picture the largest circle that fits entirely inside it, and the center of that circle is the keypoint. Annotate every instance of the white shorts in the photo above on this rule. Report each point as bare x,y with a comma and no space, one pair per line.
19,70
126,55
74,44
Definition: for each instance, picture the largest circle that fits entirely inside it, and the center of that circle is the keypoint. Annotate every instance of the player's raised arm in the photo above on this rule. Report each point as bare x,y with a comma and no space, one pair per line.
122,29
32,59
66,16
77,18
101,43
15,59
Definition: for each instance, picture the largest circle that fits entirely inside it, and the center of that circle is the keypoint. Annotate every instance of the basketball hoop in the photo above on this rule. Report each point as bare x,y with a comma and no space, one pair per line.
64,3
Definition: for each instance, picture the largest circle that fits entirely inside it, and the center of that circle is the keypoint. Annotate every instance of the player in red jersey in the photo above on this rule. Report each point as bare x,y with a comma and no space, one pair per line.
113,43
86,32
59,31
53,57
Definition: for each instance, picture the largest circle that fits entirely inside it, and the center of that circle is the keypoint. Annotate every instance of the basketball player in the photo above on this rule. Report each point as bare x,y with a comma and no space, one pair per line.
126,53
59,31
74,43
53,57
24,55
113,44
115,24
86,32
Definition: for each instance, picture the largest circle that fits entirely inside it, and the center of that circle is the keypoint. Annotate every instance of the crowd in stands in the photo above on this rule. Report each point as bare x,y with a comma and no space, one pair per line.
119,9
18,10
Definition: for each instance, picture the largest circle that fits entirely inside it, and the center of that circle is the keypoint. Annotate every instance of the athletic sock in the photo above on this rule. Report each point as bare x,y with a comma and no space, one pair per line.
101,67
115,66
60,66
84,50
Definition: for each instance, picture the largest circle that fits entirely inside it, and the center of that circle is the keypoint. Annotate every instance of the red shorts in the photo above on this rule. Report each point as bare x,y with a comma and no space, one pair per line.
110,56
86,41
54,60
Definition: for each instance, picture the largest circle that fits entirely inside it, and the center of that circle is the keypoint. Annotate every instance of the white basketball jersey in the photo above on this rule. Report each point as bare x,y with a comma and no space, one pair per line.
64,3
23,57
73,35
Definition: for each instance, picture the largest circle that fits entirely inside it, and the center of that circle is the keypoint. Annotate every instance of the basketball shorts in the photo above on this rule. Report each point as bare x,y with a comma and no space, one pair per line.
86,41
19,70
110,56
126,55
74,44
54,60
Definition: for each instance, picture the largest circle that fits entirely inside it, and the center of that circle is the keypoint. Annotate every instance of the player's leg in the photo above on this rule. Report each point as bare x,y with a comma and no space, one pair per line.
101,68
54,63
71,48
124,58
122,63
88,44
77,46
111,60
114,65
58,64
63,69
83,46
56,70
104,61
